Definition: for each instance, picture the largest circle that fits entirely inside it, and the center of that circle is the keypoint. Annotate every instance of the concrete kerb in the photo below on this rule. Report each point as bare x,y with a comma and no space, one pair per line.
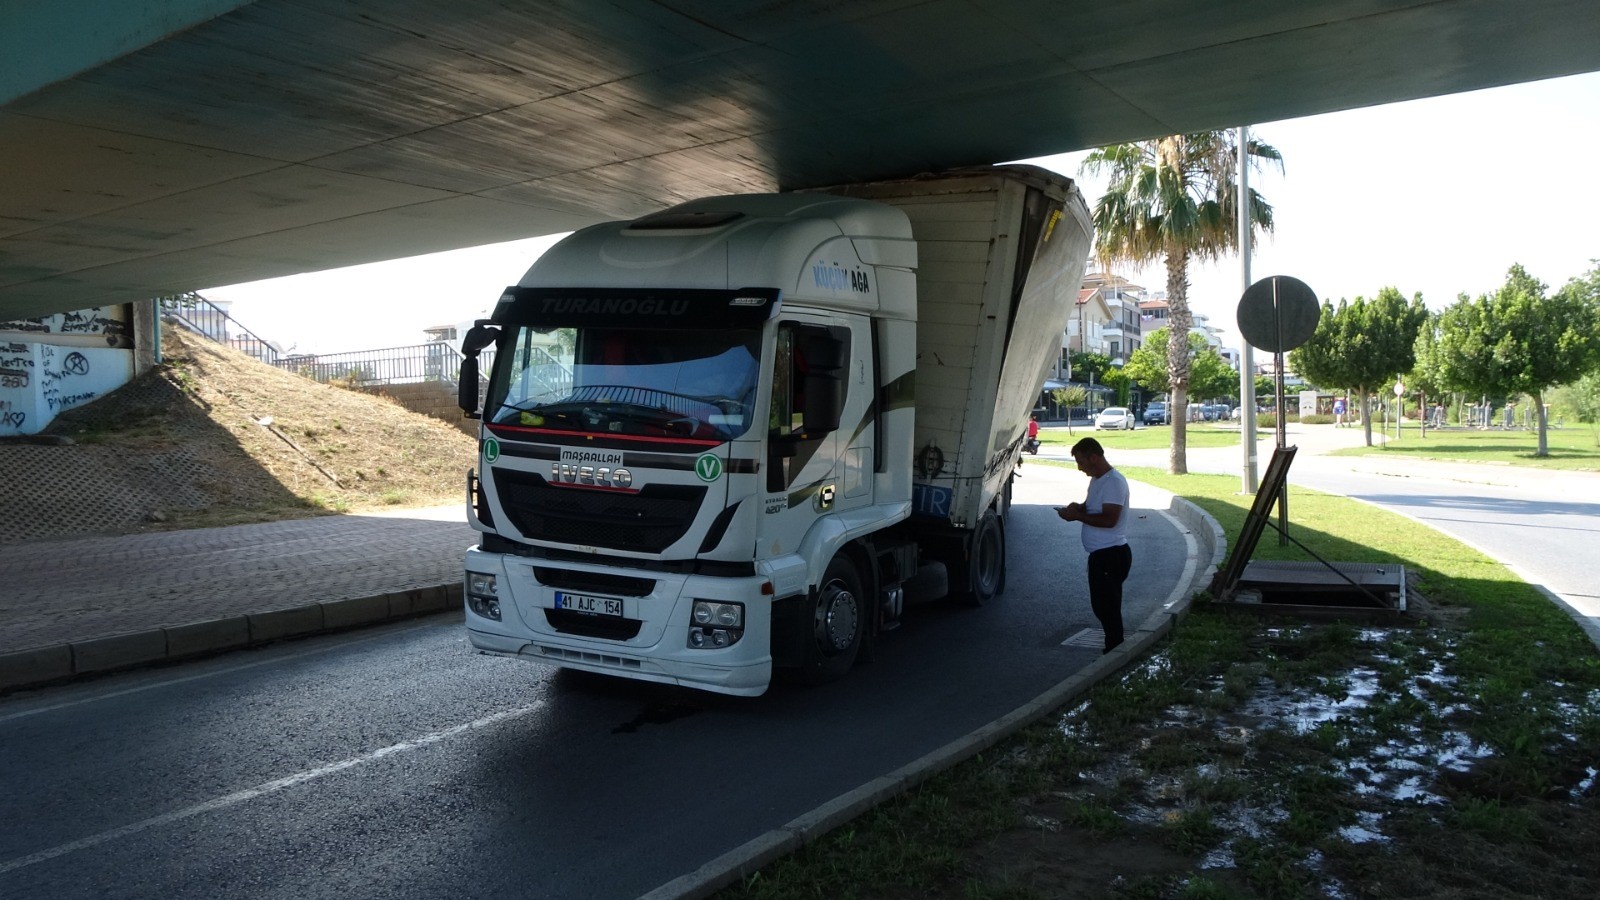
36,667
745,860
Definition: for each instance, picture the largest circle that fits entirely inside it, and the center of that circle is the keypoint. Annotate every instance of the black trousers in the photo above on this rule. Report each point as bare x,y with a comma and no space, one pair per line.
1108,569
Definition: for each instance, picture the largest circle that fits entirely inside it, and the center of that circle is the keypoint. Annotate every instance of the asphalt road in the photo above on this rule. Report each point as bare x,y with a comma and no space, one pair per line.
394,762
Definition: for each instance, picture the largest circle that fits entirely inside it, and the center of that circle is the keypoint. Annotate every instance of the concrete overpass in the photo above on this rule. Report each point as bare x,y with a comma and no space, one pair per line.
148,148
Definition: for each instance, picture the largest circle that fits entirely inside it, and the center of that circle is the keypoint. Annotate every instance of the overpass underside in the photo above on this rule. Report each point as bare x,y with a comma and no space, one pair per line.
154,148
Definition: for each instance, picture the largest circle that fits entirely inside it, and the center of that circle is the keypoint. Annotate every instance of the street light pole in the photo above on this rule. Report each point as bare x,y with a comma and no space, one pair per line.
1247,366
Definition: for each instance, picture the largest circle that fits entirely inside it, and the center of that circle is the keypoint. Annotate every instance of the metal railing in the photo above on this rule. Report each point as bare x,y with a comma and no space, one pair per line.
413,363
433,361
201,316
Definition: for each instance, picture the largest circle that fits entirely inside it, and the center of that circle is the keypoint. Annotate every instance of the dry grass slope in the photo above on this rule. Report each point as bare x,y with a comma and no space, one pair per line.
213,437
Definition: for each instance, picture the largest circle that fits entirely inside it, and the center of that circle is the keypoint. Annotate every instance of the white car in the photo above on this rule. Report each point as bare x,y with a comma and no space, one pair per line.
1114,417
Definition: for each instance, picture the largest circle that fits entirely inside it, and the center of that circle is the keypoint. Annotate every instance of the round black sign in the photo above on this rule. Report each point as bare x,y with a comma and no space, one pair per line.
1278,314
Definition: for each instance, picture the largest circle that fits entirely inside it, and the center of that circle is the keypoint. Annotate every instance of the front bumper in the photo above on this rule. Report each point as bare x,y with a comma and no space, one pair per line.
657,651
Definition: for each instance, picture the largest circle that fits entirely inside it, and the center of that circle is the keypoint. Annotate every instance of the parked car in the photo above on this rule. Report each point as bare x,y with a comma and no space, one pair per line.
1118,417
1155,413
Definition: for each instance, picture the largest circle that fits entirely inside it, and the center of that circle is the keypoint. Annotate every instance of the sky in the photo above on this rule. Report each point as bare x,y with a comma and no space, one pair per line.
1438,197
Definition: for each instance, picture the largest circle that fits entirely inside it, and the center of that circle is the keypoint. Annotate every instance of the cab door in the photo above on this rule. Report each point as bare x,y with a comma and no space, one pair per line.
819,457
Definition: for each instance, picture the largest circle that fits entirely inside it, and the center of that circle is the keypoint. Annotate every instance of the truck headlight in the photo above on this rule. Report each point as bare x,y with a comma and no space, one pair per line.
716,624
483,595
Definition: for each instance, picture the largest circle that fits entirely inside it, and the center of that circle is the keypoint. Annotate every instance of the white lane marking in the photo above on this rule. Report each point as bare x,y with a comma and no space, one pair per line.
1192,559
225,670
263,789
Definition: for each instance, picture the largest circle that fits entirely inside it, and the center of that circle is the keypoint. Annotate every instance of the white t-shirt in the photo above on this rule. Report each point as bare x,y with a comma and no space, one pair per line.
1109,488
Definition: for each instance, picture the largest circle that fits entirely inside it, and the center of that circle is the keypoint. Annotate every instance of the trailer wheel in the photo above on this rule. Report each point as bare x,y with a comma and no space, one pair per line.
839,619
986,568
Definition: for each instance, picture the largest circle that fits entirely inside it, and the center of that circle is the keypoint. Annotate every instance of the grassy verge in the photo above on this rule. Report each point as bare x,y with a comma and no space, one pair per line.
1570,448
1251,757
1196,435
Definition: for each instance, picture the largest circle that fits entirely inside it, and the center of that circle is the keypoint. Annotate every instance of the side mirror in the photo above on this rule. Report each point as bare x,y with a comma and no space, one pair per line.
478,337
467,387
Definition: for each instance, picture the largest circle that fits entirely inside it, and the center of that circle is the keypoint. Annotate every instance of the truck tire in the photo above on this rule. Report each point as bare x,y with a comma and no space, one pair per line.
986,563
839,620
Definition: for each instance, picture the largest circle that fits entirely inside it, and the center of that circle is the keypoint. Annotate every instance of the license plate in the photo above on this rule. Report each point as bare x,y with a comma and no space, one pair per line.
598,606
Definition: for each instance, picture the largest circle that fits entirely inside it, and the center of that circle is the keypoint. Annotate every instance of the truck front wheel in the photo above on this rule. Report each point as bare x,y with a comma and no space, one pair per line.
838,622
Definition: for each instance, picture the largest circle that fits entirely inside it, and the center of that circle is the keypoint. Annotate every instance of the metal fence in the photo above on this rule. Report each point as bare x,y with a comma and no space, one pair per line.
434,361
201,316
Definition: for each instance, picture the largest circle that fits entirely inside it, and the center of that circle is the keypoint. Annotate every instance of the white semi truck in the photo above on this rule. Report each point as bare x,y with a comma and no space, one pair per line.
720,440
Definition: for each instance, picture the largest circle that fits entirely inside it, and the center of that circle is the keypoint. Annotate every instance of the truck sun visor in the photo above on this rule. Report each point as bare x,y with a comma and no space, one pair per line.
543,308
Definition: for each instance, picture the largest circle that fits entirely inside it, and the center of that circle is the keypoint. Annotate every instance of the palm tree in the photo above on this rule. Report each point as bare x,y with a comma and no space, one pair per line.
1173,199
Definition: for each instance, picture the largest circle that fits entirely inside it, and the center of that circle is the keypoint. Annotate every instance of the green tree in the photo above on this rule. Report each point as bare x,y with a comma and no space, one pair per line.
1266,387
1362,344
1086,364
1068,397
1426,376
1175,199
1148,364
1209,373
1581,401
1520,341
1118,380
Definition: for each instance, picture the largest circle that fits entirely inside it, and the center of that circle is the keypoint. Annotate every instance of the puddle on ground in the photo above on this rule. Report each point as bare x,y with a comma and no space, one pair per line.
1400,771
1365,831
1585,787
1303,711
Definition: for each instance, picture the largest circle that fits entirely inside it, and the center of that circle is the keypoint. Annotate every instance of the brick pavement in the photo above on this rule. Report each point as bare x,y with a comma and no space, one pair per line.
81,605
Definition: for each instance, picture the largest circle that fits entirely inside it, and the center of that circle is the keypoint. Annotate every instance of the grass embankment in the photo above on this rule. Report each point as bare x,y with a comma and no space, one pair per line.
242,441
1575,448
1268,757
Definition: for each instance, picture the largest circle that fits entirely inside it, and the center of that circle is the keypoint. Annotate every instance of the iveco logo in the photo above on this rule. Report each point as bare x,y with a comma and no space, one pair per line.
596,476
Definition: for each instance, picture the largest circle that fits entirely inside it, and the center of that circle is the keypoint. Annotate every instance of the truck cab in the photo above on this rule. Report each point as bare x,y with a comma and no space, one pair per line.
718,437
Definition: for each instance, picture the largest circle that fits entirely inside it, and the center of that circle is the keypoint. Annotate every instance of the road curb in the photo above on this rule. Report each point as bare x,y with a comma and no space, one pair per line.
58,663
747,859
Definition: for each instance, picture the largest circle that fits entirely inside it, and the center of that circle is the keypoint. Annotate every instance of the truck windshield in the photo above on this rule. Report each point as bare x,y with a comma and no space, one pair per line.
629,381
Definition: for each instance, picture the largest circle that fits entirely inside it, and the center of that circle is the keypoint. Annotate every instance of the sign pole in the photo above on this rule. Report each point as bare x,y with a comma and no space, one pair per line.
1283,410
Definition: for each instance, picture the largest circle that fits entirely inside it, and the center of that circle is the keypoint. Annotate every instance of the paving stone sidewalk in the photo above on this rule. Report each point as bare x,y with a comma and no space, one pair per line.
80,605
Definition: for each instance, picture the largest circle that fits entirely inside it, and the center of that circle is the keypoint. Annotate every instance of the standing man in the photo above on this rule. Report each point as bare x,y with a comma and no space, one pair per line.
1104,536
1338,412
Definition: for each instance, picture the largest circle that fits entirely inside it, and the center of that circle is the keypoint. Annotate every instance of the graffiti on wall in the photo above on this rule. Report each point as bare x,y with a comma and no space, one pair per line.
38,381
63,378
106,321
16,375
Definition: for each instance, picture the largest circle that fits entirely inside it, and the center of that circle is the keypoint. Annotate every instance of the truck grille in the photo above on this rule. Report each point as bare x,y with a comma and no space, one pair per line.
594,582
606,628
645,522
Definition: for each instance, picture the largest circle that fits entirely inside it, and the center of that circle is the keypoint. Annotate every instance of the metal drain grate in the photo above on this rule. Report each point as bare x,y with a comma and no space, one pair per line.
1093,638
